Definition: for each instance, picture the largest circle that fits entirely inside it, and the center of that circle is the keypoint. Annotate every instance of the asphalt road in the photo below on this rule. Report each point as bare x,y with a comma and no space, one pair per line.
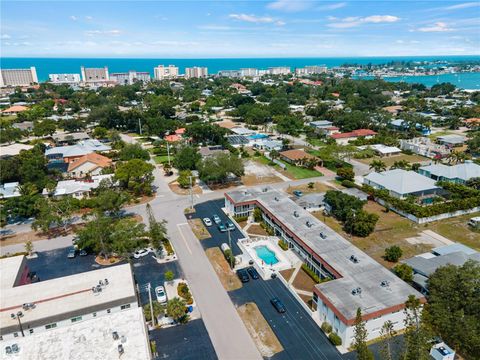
299,335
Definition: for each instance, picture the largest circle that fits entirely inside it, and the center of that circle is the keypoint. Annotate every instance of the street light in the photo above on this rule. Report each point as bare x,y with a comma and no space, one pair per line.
230,244
18,316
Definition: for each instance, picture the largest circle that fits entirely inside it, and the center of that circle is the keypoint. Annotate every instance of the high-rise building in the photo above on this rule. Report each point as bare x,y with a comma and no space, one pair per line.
128,78
196,72
311,70
165,72
248,72
18,77
94,75
230,73
64,78
279,70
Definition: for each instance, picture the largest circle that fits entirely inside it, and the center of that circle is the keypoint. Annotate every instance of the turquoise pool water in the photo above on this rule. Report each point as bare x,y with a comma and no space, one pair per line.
267,255
258,136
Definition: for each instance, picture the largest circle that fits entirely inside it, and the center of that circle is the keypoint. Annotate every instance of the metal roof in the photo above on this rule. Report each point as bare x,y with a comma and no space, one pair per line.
464,171
402,181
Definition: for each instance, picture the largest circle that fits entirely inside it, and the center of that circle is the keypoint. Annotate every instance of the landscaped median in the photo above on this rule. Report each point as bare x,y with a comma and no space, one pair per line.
263,336
199,229
227,277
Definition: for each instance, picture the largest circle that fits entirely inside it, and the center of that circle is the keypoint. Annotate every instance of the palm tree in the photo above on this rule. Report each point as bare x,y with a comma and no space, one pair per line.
274,154
378,166
401,164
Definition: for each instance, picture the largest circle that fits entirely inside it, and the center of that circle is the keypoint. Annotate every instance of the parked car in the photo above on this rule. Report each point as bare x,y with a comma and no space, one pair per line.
160,294
71,253
323,235
216,219
207,221
222,228
278,305
83,252
243,275
141,253
297,193
230,226
253,273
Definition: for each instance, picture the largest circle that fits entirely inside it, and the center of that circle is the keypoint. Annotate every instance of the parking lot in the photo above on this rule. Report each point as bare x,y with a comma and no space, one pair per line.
214,207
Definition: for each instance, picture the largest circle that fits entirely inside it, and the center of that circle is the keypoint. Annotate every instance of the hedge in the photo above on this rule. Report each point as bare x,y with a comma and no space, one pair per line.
240,218
311,273
335,339
283,245
326,327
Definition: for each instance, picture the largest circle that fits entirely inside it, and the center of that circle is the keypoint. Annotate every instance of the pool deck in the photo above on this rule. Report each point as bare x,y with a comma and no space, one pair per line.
248,245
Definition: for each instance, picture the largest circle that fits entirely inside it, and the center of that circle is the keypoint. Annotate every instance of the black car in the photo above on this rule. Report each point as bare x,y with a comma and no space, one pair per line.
278,305
253,273
243,275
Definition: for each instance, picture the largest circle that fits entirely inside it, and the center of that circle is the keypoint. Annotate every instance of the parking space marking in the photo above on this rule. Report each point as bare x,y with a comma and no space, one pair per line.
183,237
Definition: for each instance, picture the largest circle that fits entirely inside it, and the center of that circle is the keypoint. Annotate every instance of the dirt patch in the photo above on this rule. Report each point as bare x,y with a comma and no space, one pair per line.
316,187
263,336
100,260
256,173
137,218
242,224
287,274
199,229
23,237
227,277
303,281
251,180
307,300
141,200
257,230
175,187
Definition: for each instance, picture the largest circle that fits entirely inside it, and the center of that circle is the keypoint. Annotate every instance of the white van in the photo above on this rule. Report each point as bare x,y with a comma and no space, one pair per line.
474,222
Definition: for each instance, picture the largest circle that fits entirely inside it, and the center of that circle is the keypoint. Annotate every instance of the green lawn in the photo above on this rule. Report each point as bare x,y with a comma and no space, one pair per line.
160,159
290,171
316,142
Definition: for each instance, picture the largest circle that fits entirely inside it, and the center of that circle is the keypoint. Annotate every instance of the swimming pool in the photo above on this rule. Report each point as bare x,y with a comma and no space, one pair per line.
257,136
267,255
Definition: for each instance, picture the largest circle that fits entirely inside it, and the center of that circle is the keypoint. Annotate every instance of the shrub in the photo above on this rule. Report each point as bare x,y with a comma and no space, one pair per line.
335,339
229,257
346,173
393,253
283,244
348,183
311,273
404,272
169,276
240,218
257,215
311,185
184,292
327,328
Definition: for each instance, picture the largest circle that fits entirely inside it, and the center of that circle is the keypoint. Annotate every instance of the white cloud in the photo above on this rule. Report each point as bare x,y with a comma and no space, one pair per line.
88,18
251,18
73,18
113,32
334,6
437,27
289,5
5,37
280,23
353,21
462,6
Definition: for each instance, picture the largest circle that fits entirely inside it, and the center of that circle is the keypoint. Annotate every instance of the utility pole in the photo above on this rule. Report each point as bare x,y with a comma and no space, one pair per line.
191,192
168,153
149,287
230,244
140,125
17,316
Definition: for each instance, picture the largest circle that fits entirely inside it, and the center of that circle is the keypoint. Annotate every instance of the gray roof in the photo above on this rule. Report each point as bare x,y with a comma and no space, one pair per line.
427,267
452,139
402,181
336,251
463,171
81,148
71,136
448,249
321,123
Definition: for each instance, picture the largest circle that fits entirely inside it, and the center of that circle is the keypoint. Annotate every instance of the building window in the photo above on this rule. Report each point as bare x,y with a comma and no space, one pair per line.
75,319
15,334
1,338
126,306
94,314
51,326
109,311
31,331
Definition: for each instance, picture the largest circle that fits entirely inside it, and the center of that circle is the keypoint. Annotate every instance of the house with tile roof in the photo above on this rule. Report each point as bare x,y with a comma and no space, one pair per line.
89,164
14,110
344,138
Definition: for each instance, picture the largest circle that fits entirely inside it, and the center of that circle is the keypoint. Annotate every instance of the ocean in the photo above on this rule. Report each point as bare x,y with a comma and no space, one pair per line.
47,66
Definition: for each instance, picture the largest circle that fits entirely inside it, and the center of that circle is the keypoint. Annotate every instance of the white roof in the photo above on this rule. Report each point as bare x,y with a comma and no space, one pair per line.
383,149
90,339
13,149
402,181
242,131
68,187
9,190
81,148
463,171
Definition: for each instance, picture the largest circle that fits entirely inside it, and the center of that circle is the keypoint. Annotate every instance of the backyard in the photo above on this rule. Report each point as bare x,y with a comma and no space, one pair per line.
316,187
389,160
290,171
392,229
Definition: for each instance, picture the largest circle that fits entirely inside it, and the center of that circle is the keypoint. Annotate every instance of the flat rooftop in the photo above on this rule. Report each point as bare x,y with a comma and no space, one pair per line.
336,251
66,297
91,339
10,266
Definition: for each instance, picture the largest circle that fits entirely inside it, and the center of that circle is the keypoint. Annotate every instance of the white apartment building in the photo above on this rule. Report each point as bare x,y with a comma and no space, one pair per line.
248,72
230,73
165,72
355,280
95,303
64,78
196,72
95,75
18,77
130,77
279,70
311,70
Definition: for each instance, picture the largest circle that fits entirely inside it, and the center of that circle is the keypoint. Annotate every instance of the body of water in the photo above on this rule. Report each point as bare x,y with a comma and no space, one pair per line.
47,66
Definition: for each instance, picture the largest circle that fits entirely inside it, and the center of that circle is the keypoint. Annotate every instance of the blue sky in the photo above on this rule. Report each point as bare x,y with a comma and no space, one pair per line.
279,28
